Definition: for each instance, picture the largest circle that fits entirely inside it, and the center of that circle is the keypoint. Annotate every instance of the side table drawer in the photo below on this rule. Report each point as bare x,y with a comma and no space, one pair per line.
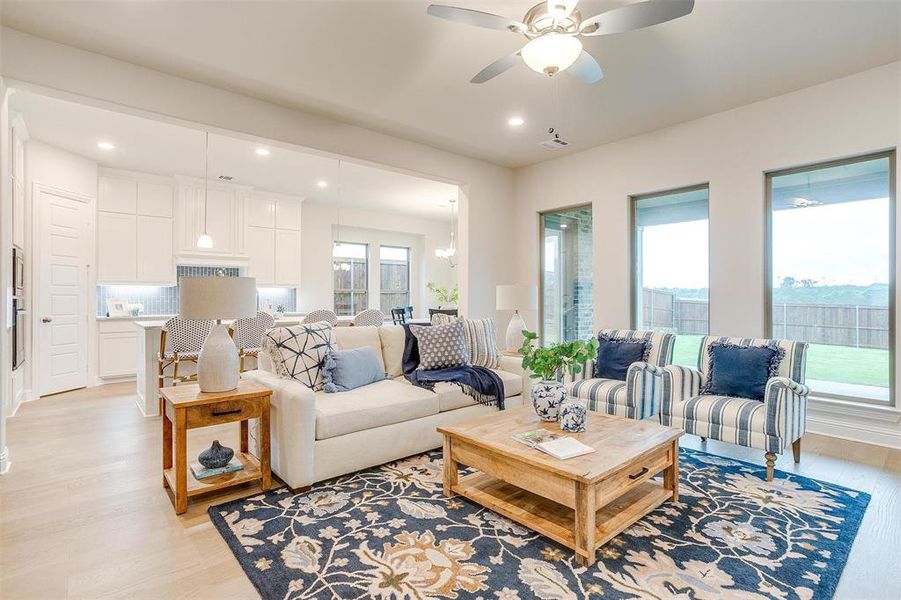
222,412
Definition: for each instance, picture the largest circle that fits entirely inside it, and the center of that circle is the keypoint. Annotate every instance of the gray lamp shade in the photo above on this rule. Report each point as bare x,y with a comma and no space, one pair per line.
217,297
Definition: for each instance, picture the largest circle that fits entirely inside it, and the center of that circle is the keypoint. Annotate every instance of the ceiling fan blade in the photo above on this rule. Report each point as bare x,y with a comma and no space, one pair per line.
586,68
496,68
475,17
636,16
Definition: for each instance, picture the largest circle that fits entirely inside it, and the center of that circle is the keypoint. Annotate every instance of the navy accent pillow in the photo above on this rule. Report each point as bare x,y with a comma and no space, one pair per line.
349,369
616,354
741,371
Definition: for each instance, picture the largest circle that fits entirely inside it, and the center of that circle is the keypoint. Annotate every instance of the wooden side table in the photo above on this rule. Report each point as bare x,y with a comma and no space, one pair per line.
186,407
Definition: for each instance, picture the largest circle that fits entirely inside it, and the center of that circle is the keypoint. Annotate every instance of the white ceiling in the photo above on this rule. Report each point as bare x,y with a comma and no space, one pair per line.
155,147
391,67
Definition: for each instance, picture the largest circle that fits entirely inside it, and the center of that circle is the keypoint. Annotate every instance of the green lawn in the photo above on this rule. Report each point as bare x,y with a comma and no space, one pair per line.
841,364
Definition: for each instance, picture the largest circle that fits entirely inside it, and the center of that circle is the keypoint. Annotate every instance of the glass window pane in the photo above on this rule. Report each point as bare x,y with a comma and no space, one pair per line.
566,275
670,263
394,266
831,273
351,280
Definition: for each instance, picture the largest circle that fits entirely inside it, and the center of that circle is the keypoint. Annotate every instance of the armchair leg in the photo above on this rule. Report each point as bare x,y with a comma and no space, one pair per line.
703,440
770,465
796,450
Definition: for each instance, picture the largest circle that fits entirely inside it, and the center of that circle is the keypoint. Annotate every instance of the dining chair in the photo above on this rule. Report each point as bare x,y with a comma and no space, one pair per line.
322,314
181,341
370,316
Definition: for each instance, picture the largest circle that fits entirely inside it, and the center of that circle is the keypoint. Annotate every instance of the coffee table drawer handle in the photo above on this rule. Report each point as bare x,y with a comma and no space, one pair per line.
222,413
639,474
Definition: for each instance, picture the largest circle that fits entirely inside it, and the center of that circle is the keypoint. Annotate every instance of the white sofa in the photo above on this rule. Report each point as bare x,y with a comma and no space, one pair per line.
316,436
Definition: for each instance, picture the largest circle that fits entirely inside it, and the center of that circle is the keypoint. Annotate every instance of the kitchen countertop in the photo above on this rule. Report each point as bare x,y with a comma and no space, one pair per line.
159,323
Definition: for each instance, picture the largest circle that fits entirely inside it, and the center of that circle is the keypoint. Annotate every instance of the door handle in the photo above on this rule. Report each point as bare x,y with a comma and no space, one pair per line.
46,319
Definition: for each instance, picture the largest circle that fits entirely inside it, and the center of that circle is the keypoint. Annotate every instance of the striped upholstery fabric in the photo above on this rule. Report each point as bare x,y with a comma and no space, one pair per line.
639,396
770,425
481,340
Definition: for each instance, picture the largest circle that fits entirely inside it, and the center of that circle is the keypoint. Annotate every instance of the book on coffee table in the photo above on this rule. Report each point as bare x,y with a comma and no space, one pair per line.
201,472
555,444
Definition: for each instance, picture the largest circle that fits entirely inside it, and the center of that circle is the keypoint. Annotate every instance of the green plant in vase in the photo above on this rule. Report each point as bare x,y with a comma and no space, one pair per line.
444,295
547,364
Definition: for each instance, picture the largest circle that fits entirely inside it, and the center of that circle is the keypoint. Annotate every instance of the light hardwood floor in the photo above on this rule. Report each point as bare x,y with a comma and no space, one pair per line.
83,513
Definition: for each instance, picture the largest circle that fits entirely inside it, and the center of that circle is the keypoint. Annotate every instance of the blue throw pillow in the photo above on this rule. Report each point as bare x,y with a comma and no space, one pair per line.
616,354
349,369
741,371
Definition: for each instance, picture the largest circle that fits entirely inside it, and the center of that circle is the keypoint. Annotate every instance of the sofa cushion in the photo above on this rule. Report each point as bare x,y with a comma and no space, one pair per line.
392,337
481,342
347,370
441,346
451,397
382,403
299,352
359,336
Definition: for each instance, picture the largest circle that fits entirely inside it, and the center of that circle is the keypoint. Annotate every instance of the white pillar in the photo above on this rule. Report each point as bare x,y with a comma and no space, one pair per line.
6,233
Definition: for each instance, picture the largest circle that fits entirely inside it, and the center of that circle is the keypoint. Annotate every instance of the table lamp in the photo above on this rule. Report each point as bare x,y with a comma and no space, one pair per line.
217,298
516,297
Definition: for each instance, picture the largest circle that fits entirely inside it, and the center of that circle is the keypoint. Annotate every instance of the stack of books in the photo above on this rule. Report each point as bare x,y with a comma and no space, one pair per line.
201,472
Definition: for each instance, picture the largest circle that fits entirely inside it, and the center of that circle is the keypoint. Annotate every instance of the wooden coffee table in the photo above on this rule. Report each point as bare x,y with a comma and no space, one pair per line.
581,502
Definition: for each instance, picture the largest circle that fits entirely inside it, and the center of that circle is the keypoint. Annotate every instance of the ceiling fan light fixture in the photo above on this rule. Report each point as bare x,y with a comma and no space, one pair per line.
551,53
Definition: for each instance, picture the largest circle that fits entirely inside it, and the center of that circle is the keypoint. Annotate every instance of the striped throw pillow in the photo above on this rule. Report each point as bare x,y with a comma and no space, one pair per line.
481,339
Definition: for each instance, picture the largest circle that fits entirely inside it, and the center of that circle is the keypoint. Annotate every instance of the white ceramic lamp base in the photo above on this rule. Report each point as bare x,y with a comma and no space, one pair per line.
514,332
217,367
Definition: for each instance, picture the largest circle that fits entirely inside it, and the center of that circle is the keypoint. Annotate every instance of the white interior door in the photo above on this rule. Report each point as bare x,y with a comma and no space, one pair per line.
63,301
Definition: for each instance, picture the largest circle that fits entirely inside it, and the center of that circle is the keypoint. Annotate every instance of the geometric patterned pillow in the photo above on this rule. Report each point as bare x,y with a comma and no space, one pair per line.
481,342
441,346
299,352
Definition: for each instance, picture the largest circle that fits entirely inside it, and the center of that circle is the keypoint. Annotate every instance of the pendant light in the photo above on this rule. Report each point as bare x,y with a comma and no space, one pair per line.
205,241
449,254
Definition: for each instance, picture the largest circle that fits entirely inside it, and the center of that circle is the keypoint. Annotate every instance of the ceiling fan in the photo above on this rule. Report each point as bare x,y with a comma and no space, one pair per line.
553,29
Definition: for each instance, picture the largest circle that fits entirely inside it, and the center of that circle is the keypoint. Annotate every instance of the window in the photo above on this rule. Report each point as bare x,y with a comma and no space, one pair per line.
670,267
351,278
831,272
566,275
394,264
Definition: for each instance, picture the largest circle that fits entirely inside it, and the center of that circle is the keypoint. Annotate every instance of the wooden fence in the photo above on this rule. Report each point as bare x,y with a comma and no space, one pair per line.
858,326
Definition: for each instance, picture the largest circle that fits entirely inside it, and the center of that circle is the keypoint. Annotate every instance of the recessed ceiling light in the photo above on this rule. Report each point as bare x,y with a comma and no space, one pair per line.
106,145
322,183
262,151
515,121
563,225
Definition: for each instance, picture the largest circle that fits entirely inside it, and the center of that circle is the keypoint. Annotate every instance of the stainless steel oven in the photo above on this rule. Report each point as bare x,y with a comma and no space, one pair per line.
18,273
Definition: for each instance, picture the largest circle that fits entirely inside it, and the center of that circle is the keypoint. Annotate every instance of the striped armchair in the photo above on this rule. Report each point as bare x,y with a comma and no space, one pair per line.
769,425
638,397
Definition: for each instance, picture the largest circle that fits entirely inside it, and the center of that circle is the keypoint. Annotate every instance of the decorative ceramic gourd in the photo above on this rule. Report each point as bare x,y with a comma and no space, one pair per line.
547,396
215,456
572,417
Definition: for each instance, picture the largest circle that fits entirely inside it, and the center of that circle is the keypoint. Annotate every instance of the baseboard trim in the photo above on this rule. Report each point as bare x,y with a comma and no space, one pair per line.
5,463
866,433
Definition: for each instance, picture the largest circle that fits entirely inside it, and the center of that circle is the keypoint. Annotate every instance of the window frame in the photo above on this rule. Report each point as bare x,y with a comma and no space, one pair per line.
409,262
634,253
541,216
352,290
890,154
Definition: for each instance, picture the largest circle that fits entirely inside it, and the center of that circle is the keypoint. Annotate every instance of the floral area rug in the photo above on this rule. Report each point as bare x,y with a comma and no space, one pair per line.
388,532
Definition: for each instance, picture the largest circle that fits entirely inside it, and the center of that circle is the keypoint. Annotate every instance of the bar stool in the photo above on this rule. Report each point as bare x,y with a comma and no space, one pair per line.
370,316
322,314
249,335
185,339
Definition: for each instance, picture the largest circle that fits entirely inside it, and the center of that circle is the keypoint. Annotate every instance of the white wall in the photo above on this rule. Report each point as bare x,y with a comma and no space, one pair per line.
732,151
486,189
370,227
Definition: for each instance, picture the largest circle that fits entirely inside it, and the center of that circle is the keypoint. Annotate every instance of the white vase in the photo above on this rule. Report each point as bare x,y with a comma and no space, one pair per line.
547,396
217,367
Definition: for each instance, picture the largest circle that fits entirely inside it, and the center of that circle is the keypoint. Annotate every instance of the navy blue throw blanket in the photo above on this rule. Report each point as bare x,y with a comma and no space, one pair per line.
480,383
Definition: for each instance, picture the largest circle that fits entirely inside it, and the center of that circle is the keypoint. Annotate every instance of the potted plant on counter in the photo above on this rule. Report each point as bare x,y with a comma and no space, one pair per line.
547,364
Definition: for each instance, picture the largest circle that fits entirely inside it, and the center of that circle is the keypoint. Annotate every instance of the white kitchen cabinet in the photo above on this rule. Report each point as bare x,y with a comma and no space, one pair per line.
154,199
287,257
155,253
287,214
261,255
260,212
225,217
117,194
116,343
117,248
